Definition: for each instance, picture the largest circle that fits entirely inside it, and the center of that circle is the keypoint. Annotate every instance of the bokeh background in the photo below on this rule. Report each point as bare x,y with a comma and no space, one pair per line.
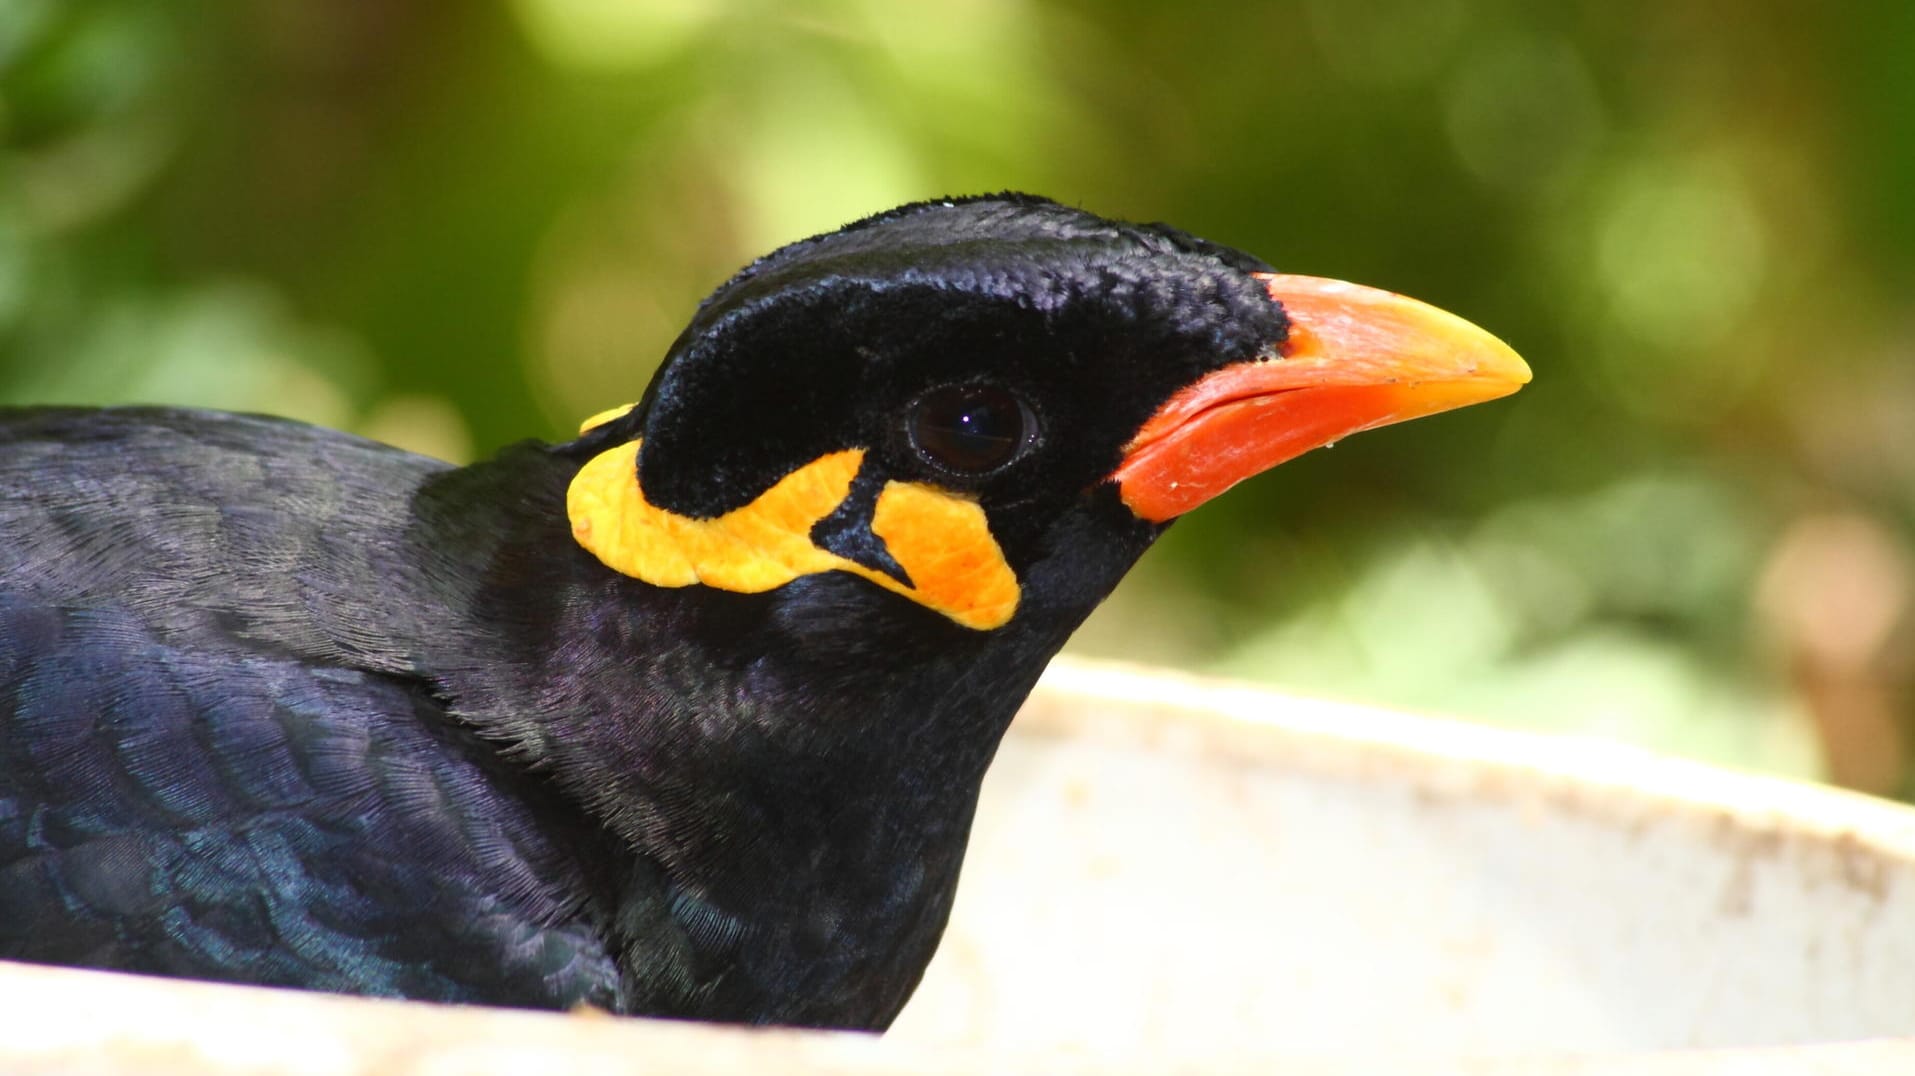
453,225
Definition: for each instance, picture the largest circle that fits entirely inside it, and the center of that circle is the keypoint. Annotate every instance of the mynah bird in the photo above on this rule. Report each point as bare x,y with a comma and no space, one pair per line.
686,716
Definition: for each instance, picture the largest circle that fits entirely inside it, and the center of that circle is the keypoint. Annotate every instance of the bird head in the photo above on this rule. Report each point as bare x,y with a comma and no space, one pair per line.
958,401
876,483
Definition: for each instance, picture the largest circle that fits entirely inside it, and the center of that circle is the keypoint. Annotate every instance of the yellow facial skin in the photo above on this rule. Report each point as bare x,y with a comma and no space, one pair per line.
942,541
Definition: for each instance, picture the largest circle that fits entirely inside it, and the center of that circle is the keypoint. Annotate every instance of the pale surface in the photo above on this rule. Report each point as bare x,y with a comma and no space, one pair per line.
1172,875
1319,878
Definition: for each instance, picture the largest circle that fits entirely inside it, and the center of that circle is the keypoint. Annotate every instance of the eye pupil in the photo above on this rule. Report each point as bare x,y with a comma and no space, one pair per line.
970,429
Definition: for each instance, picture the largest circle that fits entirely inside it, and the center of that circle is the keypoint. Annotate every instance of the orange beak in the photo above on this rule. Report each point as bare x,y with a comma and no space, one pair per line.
1356,358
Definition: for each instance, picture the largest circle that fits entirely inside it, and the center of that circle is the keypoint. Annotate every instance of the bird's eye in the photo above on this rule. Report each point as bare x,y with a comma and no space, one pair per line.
970,430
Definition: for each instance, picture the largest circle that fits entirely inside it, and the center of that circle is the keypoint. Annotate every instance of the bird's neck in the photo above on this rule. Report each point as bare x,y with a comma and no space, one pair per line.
793,774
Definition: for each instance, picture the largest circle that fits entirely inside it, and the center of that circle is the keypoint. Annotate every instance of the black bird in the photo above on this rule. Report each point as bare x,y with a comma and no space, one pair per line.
686,716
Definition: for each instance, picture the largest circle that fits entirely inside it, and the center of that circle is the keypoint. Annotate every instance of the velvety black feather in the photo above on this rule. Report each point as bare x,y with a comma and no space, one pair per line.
200,772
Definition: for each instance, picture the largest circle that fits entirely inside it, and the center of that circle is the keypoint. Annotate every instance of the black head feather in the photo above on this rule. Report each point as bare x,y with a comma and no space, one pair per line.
821,346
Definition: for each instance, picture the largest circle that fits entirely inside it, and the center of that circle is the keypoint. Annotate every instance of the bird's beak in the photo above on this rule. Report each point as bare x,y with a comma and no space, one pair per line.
1356,358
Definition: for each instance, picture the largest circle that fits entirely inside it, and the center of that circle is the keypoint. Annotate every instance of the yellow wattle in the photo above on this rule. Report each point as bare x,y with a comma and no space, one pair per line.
605,416
944,544
942,541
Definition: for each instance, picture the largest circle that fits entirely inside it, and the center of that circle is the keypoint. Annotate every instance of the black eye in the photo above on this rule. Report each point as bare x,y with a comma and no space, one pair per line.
970,429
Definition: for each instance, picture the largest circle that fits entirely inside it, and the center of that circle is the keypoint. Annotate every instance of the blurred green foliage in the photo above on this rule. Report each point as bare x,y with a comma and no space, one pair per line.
456,225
